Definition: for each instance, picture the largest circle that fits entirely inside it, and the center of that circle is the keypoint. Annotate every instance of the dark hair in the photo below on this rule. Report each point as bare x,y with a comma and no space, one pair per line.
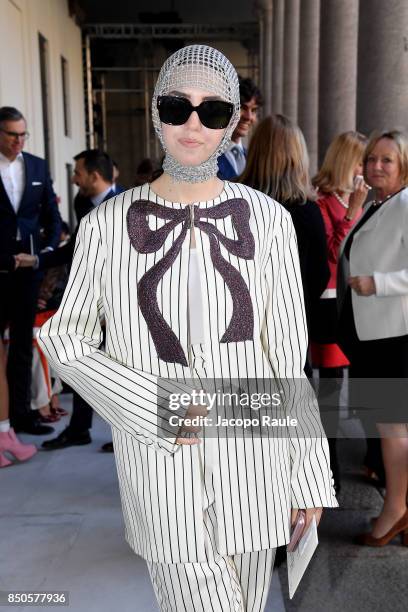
98,161
145,167
9,113
248,90
115,164
145,172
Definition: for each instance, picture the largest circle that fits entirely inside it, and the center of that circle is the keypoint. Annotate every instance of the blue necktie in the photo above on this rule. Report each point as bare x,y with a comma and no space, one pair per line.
239,157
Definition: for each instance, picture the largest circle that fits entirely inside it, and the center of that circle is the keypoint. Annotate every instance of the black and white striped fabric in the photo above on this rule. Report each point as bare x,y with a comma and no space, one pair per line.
255,481
236,583
231,583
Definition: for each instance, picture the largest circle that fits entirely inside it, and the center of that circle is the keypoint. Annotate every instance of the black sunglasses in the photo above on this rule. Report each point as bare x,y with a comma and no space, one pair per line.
213,114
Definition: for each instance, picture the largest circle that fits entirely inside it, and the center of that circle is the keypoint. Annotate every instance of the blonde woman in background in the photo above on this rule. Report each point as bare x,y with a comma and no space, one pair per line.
374,321
342,192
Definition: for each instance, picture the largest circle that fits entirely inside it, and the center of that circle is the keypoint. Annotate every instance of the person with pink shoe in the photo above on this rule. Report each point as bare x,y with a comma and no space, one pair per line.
9,443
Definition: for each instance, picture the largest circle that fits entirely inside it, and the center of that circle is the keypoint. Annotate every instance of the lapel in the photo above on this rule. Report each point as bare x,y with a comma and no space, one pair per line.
4,197
109,195
346,244
28,179
86,205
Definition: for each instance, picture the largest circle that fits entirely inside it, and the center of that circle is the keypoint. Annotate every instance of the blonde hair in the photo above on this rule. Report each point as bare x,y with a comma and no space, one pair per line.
342,156
278,162
401,140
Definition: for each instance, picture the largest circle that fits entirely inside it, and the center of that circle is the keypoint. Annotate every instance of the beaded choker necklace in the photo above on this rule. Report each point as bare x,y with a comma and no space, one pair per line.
378,202
340,199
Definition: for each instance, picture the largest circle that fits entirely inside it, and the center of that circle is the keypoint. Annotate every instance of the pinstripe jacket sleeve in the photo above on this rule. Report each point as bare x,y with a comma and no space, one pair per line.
286,341
72,340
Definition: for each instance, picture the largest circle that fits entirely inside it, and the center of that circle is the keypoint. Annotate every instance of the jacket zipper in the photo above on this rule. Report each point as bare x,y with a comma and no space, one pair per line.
191,208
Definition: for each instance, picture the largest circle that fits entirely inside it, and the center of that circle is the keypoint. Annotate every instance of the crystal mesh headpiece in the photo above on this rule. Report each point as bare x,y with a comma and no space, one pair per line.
207,69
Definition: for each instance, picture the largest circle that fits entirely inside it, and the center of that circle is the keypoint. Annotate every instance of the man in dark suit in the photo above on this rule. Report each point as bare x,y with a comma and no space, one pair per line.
93,174
28,205
232,163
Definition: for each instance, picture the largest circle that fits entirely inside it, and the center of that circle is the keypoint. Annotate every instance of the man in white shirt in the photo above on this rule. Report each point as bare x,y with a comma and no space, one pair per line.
232,163
29,222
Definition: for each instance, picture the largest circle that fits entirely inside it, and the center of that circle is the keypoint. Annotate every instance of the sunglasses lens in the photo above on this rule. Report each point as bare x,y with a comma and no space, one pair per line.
215,114
172,110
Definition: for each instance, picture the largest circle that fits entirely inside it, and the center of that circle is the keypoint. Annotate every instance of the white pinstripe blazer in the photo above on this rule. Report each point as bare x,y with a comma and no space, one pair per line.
256,482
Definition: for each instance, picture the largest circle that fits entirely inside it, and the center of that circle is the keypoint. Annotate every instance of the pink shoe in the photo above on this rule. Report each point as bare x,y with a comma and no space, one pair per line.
10,443
4,462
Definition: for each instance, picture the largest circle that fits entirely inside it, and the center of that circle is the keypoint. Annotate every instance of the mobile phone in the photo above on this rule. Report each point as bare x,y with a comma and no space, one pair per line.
358,177
297,531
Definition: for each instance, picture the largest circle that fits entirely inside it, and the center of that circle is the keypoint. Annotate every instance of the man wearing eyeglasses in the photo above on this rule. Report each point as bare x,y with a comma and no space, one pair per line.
28,205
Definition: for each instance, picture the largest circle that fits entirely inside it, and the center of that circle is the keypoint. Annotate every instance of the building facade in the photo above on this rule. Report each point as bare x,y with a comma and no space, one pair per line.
329,65
337,65
41,74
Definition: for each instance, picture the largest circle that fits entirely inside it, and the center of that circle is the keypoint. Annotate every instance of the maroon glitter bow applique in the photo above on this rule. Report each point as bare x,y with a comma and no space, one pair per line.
145,240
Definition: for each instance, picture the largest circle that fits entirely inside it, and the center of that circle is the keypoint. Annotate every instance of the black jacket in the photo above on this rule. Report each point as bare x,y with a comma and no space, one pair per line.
311,237
38,210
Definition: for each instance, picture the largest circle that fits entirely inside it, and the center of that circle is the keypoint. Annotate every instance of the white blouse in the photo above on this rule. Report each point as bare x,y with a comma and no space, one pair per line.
195,301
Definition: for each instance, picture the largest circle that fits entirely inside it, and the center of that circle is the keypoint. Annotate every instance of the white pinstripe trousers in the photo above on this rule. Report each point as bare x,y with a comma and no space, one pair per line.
236,583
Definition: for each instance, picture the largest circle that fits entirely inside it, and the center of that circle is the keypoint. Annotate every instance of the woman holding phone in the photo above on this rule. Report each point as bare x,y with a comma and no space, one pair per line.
341,191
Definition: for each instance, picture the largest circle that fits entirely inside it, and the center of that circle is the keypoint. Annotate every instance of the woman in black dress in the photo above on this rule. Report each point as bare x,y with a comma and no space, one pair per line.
278,165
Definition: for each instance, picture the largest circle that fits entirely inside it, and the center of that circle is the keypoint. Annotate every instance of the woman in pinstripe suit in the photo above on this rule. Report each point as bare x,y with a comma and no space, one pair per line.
198,280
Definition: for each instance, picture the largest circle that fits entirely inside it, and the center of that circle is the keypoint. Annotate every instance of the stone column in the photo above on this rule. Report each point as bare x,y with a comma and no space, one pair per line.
291,59
382,87
261,63
308,96
277,57
264,8
338,69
